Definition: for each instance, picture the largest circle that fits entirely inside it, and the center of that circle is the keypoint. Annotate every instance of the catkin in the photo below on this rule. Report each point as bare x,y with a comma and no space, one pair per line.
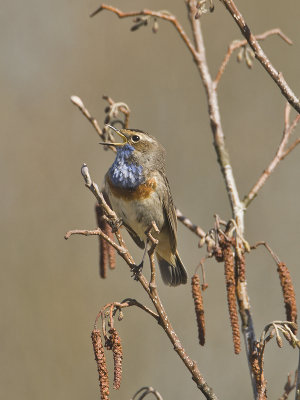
231,299
117,356
288,293
101,364
199,310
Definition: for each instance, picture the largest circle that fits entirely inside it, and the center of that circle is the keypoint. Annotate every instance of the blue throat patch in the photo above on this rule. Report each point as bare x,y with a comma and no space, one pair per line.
124,174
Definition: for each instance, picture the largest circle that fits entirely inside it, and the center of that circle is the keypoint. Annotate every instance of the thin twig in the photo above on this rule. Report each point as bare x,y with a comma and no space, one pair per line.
124,304
289,386
261,56
236,44
281,153
297,396
96,232
79,103
93,187
189,224
154,243
157,14
146,390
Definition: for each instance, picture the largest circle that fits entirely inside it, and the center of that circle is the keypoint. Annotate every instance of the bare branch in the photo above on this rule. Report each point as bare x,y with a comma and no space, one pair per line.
226,169
261,56
215,117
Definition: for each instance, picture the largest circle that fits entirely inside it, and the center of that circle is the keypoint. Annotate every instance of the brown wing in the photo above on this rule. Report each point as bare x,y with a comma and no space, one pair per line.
170,214
134,236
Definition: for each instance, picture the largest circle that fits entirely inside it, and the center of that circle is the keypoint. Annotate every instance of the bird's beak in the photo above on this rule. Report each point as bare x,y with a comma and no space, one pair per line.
123,136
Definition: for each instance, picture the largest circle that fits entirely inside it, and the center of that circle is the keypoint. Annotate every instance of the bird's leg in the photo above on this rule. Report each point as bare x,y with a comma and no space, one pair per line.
137,269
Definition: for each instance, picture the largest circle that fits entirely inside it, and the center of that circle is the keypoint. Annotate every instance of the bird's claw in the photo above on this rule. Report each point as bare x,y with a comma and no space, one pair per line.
115,224
136,271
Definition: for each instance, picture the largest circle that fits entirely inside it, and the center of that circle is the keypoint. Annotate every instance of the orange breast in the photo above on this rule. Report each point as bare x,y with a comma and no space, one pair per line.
141,192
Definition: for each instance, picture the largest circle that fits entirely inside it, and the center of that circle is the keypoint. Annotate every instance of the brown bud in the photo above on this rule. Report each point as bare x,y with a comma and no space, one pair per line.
202,242
240,54
155,26
279,341
121,316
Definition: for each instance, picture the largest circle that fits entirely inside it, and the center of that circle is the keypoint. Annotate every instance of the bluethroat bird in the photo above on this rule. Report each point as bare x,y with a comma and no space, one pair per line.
139,192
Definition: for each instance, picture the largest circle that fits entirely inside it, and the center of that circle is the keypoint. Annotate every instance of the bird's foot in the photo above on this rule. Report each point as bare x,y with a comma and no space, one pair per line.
137,270
115,224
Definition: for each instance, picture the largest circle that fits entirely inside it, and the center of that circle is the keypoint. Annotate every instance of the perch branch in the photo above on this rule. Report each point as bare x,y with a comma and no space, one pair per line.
150,289
93,187
261,56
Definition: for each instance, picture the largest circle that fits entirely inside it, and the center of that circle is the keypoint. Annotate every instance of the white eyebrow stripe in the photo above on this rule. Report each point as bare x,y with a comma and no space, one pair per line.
148,138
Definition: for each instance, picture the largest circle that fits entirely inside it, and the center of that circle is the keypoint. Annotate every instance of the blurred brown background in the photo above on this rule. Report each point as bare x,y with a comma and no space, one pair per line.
50,289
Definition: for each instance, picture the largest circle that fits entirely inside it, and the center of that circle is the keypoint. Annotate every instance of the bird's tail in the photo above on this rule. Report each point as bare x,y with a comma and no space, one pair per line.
172,275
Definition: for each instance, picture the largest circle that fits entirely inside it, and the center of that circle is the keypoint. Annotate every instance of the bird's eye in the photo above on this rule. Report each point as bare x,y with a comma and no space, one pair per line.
135,138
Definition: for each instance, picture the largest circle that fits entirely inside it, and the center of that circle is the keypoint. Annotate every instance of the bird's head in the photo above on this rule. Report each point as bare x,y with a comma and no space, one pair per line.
141,148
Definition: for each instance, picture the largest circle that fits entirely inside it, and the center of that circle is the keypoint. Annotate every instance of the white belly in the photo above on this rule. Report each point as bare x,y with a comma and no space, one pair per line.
139,214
